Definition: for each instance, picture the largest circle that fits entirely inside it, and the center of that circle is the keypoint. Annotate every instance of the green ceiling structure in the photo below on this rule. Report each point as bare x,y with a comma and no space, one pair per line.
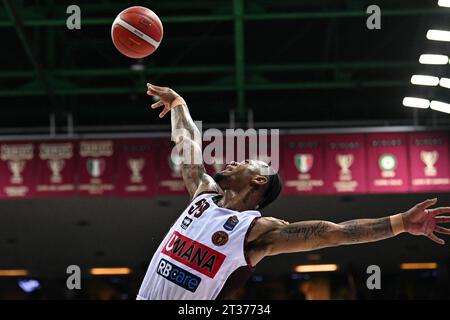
51,81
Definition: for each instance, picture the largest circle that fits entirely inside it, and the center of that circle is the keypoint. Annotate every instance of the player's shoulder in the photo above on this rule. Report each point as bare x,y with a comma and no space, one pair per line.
206,193
264,225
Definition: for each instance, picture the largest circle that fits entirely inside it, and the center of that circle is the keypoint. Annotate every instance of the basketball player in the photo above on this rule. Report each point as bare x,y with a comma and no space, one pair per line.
213,247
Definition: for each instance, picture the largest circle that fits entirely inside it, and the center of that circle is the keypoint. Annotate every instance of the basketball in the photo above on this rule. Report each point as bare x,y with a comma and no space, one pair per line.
137,32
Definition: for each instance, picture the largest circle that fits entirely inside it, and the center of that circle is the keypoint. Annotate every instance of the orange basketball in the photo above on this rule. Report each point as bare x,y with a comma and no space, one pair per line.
137,32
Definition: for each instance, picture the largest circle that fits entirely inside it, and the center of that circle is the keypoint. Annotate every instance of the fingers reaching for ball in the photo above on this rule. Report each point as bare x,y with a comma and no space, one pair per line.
157,104
164,112
151,90
156,88
166,98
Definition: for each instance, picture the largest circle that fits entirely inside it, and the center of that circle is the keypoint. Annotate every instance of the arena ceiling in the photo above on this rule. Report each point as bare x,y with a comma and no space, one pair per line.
302,61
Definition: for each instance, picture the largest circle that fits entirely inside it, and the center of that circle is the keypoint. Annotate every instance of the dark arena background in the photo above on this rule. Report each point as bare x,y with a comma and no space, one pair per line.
85,174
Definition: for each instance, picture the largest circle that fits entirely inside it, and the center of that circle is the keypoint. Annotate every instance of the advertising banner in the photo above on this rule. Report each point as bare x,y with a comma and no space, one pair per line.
56,164
136,167
387,162
303,164
345,160
96,167
17,169
429,161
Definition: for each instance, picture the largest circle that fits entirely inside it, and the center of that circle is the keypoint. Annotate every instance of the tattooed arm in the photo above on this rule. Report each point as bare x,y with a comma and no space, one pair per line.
274,236
187,138
311,235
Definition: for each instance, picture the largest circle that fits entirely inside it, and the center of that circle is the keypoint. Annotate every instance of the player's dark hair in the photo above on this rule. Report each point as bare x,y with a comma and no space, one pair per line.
273,190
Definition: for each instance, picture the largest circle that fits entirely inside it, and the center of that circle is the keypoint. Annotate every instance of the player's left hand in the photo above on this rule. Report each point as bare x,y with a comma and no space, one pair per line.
421,221
166,98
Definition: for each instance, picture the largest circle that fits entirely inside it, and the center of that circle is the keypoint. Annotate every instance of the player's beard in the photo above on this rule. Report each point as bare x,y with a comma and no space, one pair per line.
218,177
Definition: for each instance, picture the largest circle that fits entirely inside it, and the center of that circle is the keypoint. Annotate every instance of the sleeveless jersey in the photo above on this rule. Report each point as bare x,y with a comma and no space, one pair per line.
202,249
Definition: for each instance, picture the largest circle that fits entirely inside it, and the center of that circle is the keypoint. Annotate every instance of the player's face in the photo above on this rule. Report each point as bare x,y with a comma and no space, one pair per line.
246,167
239,173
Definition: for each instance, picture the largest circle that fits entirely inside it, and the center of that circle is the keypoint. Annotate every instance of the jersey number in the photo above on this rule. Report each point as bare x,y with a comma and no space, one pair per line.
198,208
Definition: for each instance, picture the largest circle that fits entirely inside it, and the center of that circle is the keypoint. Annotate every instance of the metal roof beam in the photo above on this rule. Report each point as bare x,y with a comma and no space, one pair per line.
213,88
248,17
357,65
38,70
239,55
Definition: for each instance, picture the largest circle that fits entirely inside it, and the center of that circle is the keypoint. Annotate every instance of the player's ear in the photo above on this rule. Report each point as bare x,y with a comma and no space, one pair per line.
259,180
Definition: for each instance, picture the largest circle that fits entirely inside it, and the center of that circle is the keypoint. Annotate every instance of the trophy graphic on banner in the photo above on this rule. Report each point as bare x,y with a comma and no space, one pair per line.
56,154
56,166
16,167
429,158
16,156
345,161
136,166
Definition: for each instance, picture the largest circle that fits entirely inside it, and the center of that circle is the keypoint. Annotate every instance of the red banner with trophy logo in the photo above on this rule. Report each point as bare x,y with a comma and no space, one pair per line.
239,146
387,162
308,164
429,161
96,167
56,168
17,169
345,163
303,164
136,167
170,181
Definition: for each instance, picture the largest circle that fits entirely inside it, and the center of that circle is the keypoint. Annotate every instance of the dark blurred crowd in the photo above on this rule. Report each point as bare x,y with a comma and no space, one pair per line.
405,285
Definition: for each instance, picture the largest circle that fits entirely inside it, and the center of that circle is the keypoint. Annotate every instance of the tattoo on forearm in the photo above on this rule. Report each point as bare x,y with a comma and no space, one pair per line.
305,232
367,230
188,139
182,120
353,231
319,234
194,172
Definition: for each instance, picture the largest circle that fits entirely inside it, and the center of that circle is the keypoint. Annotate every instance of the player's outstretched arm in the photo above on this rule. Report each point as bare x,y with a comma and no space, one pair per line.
187,138
312,235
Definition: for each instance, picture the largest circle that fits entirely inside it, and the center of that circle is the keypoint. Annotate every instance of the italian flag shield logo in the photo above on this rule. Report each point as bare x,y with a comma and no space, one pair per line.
96,167
304,162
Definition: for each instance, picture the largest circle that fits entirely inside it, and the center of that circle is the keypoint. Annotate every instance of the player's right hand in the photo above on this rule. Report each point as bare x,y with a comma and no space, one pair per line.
421,221
166,96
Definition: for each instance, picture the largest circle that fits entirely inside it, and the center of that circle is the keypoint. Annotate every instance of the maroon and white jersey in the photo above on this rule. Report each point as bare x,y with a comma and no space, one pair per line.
202,255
